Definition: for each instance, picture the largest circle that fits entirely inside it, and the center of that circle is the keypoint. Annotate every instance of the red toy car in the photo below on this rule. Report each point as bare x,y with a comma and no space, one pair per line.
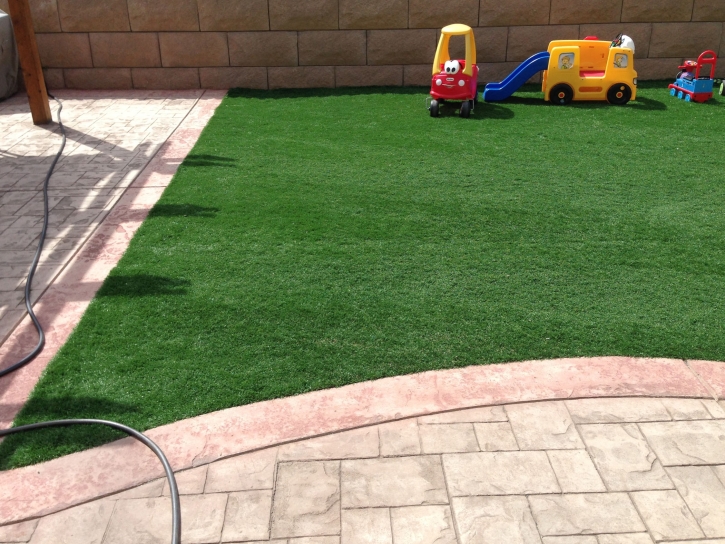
454,80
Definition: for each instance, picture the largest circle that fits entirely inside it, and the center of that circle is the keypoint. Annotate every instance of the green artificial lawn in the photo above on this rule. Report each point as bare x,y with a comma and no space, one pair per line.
318,238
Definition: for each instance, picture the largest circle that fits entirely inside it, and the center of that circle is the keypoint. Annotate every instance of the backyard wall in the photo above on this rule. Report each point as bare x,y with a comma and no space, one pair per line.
182,44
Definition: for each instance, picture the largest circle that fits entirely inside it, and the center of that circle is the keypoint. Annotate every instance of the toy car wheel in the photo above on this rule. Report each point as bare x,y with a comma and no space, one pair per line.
561,95
673,92
688,98
434,108
619,94
680,95
465,109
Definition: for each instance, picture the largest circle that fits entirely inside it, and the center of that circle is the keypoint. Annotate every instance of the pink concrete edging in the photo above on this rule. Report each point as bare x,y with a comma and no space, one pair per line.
61,307
38,490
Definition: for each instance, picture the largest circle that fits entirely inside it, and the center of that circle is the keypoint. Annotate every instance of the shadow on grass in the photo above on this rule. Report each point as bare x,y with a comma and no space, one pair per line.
142,285
182,210
202,159
66,439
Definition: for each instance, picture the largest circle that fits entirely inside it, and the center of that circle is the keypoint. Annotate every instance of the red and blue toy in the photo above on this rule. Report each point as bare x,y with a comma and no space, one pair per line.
690,85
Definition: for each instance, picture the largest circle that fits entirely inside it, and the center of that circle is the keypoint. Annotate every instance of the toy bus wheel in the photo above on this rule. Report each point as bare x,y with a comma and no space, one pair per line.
561,95
434,108
465,109
619,94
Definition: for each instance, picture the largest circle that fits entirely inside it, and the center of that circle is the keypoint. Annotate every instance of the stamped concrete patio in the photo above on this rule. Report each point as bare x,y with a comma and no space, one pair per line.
608,450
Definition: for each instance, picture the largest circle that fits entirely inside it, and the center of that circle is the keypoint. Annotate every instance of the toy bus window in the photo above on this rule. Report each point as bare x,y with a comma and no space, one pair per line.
566,61
621,60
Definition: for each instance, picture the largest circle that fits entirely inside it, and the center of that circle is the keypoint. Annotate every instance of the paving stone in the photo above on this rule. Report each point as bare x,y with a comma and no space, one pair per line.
499,473
149,520
684,409
716,410
83,524
495,436
243,472
588,513
473,415
666,515
448,438
189,482
423,525
314,540
632,538
569,540
687,442
575,471
18,532
399,438
616,410
306,501
366,526
543,425
623,457
484,520
247,516
397,481
145,491
353,444
704,493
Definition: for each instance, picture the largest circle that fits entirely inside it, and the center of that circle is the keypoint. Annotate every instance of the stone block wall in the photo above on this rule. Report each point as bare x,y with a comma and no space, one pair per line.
267,44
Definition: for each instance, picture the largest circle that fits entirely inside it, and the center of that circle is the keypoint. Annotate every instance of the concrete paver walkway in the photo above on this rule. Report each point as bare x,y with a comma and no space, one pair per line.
587,471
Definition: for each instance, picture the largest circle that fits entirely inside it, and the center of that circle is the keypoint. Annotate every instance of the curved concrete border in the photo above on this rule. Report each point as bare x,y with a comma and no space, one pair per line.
58,484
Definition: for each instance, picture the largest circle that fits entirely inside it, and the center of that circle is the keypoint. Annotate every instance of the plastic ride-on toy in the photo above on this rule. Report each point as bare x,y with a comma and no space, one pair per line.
690,85
454,79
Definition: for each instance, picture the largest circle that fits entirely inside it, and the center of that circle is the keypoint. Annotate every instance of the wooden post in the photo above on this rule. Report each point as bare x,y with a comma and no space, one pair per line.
30,61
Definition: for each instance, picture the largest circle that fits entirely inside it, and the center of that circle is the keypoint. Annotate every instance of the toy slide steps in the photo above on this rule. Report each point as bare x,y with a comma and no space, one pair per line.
495,92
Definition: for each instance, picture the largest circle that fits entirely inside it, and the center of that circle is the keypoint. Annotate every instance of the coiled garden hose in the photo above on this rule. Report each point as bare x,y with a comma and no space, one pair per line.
175,503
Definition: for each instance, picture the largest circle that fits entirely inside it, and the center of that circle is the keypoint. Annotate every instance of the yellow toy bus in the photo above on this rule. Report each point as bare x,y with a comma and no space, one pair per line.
590,69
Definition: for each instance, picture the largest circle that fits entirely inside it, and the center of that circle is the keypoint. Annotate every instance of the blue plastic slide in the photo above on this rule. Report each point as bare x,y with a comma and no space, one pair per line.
494,92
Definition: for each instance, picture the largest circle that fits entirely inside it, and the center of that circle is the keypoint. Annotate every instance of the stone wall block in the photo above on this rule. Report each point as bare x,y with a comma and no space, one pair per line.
45,15
303,14
332,47
4,6
166,15
497,71
93,15
514,12
193,49
231,77
263,48
401,46
639,32
653,11
125,49
657,68
373,14
709,10
98,78
64,50
436,14
417,75
524,41
684,39
165,78
568,12
301,77
368,76
233,15
53,78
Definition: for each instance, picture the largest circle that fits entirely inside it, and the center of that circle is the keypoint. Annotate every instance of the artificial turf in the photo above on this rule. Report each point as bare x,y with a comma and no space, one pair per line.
318,238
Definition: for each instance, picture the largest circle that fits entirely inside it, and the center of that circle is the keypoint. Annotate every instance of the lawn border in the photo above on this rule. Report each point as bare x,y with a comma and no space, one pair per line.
55,485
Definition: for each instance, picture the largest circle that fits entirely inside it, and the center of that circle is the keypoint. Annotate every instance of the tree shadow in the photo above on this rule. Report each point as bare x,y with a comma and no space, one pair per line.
182,210
202,159
142,285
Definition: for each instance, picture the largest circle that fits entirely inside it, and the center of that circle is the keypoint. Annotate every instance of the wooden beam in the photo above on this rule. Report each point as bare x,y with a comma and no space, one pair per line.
30,61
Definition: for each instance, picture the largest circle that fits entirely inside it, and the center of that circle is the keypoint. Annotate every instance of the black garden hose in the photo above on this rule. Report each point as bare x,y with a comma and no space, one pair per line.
175,503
